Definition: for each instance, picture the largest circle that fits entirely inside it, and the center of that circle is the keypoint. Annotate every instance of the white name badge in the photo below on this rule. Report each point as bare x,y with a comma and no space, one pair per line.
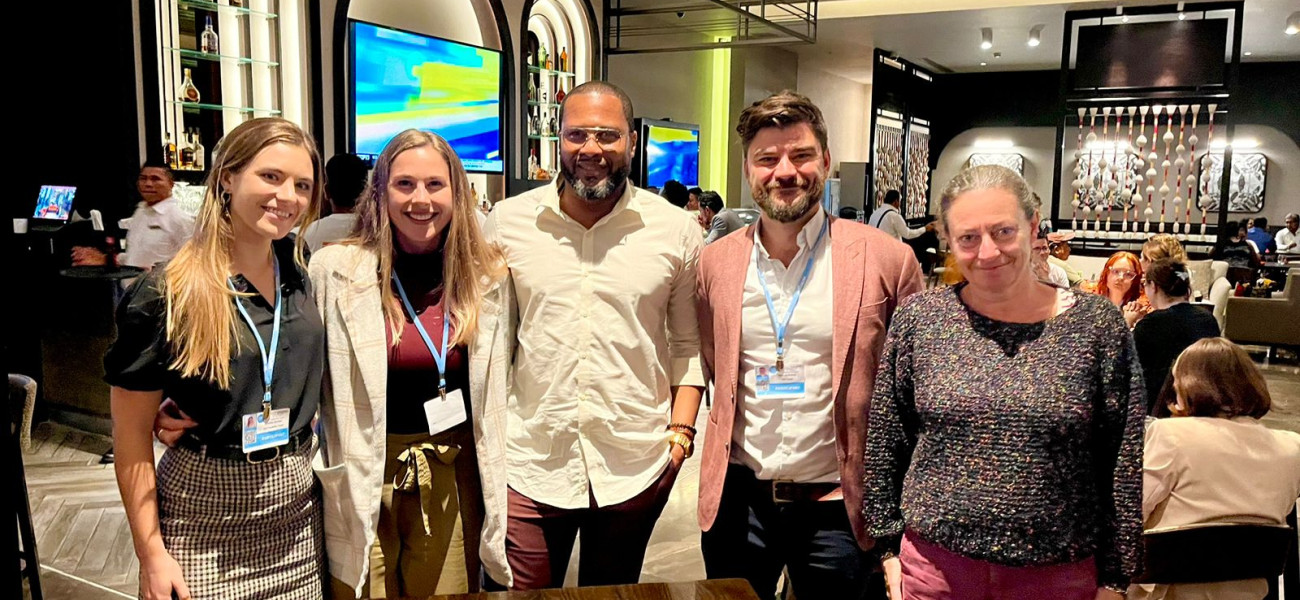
260,433
780,384
443,414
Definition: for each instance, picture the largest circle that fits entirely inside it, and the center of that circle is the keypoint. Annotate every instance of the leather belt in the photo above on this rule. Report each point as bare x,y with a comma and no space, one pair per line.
226,452
784,491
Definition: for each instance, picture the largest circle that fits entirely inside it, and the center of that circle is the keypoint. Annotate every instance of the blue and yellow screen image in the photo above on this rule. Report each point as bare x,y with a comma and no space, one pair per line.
672,154
405,81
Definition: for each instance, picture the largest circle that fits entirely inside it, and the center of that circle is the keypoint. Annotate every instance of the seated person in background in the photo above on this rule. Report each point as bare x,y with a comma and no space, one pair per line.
675,193
1058,244
719,219
1286,239
1161,246
1172,326
1263,240
888,219
693,204
849,212
1237,250
1214,462
1044,270
345,180
1120,282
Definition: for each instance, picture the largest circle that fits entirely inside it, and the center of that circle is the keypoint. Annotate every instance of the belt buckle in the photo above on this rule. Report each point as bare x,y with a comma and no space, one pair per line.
779,484
249,456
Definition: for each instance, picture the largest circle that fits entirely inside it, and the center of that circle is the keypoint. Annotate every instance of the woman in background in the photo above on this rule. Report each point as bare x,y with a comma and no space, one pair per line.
1172,326
1120,282
1213,462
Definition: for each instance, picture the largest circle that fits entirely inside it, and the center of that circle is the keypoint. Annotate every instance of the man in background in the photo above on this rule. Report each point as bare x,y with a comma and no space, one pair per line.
694,204
1263,240
345,181
675,193
1286,238
720,220
888,219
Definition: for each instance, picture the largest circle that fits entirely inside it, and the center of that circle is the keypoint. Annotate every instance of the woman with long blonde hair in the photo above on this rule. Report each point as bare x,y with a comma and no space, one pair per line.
415,309
228,331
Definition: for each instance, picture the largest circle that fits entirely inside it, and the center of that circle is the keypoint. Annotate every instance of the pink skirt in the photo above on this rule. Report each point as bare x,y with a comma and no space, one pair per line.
933,573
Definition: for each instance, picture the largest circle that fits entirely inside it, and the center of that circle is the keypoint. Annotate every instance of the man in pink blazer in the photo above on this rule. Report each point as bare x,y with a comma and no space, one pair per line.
793,312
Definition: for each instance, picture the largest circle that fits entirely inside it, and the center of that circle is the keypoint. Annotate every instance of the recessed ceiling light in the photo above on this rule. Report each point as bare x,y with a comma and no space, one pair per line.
984,64
986,38
1035,36
1293,24
1249,53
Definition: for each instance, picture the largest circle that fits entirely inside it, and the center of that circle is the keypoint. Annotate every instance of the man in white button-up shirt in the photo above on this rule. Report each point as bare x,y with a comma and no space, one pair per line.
607,357
793,313
888,219
158,226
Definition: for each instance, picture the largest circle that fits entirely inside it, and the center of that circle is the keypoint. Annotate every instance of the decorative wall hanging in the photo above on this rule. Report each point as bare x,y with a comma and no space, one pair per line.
1010,160
918,171
1246,187
888,163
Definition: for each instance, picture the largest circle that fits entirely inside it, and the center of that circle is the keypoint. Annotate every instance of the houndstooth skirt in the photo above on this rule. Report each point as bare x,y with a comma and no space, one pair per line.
243,530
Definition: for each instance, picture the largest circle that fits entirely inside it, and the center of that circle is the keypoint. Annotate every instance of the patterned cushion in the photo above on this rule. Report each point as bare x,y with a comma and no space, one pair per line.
1202,277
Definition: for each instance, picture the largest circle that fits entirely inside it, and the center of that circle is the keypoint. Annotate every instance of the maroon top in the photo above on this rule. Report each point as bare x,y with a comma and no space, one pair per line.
412,372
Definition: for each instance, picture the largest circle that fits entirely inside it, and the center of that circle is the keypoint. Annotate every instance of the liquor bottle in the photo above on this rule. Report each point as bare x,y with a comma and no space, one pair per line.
473,193
546,96
564,59
530,60
559,91
169,151
208,42
532,89
543,60
186,153
200,161
532,163
187,92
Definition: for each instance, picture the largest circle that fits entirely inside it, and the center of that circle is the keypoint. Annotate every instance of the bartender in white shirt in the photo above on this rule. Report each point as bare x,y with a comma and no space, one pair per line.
158,227
889,220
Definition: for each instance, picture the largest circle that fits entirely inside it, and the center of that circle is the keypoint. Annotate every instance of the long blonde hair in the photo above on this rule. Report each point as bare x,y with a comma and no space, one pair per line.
469,263
200,315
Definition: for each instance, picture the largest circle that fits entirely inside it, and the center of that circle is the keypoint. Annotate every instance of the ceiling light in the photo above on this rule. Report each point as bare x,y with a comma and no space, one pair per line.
986,38
1035,36
984,64
1293,24
1182,16
1119,12
1237,144
1249,53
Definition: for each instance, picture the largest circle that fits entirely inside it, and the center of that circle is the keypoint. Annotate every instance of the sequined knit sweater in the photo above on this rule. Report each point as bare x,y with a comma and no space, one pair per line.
1016,444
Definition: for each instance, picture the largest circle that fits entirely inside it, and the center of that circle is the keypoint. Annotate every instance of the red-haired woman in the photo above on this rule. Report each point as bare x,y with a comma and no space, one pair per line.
1120,282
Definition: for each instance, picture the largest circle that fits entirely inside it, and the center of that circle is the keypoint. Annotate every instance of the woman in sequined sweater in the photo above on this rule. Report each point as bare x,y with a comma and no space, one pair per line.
1004,454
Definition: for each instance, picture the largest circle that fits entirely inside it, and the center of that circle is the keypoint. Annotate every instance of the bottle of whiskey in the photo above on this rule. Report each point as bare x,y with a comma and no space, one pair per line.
200,161
532,163
186,153
559,90
187,91
169,151
532,89
208,41
564,58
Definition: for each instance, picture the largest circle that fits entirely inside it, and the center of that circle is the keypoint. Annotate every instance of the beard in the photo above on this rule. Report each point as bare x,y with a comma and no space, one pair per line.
601,190
810,194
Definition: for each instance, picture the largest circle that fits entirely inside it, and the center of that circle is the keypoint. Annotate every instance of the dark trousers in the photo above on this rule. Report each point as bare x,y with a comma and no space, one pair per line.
539,538
753,538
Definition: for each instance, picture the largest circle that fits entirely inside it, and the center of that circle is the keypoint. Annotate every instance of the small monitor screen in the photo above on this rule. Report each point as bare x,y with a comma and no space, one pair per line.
672,153
54,203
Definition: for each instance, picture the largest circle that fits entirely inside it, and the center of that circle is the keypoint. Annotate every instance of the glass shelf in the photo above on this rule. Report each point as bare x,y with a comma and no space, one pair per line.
545,104
242,109
533,69
195,54
226,7
544,137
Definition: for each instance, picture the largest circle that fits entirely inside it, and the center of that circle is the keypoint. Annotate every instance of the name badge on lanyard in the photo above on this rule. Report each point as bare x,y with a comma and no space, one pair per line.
270,427
779,325
448,409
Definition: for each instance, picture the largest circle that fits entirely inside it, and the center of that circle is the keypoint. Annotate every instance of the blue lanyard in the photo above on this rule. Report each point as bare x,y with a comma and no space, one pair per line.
439,358
780,326
268,357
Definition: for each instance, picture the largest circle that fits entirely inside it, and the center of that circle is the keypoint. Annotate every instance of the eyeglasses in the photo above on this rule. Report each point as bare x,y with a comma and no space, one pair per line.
604,137
1124,274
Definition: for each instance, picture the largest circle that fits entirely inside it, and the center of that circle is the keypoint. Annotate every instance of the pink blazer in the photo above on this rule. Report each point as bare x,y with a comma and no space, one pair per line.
872,273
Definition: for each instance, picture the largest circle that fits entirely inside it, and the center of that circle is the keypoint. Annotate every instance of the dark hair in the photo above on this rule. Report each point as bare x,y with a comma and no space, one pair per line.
596,87
848,212
696,191
892,197
781,110
711,200
1244,224
675,193
345,179
158,164
1261,223
1170,277
1216,378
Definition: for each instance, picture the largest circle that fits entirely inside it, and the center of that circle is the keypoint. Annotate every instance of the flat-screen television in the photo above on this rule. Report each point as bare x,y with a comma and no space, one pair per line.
1163,54
403,80
669,150
54,203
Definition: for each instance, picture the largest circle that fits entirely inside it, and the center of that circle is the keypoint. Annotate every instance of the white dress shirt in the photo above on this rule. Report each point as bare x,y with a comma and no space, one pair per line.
606,326
889,220
156,233
789,439
1286,241
332,229
1056,275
